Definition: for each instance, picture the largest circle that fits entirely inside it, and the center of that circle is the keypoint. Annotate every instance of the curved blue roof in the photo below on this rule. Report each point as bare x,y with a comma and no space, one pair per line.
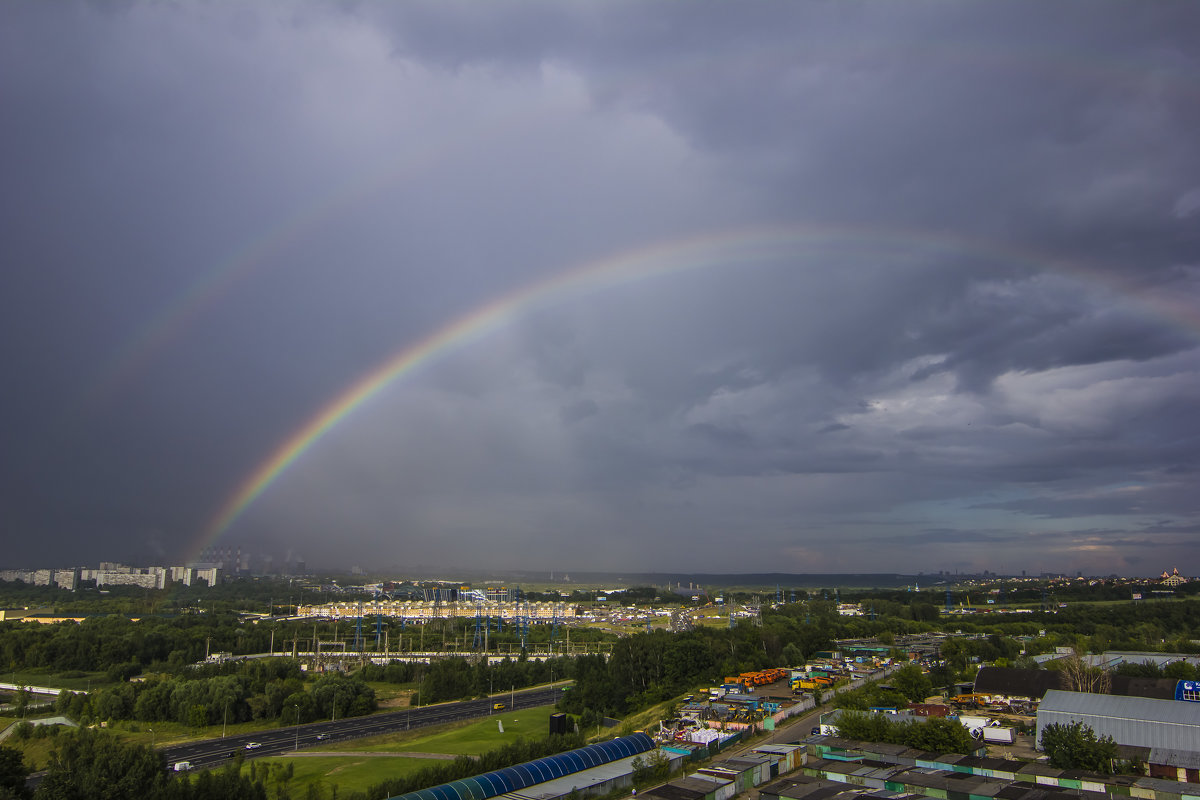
510,779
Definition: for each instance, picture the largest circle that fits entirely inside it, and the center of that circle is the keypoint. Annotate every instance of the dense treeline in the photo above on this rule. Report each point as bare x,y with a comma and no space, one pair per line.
87,763
1179,670
649,668
264,689
124,648
458,679
241,594
117,643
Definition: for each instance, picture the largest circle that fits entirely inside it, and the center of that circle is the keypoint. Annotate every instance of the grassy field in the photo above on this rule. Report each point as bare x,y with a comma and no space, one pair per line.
349,773
93,680
392,696
36,752
352,772
461,738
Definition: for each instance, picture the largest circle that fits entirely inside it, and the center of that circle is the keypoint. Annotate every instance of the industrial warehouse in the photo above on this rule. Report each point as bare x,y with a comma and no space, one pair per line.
1143,722
594,769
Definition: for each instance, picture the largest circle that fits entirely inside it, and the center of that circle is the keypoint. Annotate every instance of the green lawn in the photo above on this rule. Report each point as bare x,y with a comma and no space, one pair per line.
349,773
466,738
54,680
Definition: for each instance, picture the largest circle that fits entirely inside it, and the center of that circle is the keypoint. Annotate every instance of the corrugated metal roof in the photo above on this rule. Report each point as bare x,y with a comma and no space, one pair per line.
1139,721
1169,787
582,782
1187,759
684,788
510,779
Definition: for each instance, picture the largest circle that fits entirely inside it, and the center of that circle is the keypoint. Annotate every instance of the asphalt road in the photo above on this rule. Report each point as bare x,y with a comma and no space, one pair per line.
211,753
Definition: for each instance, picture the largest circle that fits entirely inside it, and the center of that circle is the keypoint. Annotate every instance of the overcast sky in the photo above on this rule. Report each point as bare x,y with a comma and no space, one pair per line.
873,286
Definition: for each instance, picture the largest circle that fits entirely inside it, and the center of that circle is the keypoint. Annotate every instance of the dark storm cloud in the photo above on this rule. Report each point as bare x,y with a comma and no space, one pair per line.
987,338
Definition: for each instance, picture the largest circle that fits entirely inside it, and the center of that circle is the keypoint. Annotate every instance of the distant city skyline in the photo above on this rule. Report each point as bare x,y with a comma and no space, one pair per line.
828,288
217,567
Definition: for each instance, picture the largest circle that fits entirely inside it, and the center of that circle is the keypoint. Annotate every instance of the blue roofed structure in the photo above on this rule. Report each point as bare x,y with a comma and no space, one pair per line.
521,776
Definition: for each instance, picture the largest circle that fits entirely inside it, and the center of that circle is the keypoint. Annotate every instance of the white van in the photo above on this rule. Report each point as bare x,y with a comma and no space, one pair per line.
183,766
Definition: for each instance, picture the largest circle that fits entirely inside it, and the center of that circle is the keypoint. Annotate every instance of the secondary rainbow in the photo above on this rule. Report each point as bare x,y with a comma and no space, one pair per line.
742,248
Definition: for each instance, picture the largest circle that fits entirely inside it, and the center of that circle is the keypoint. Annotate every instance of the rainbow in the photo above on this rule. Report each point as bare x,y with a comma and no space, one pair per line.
150,339
741,248
153,337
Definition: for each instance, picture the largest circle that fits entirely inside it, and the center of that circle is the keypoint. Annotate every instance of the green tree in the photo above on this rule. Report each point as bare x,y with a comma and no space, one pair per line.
1073,745
939,735
912,683
793,656
12,774
87,763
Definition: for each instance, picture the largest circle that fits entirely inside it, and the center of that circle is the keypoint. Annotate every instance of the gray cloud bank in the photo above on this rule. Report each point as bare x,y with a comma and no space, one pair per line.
963,334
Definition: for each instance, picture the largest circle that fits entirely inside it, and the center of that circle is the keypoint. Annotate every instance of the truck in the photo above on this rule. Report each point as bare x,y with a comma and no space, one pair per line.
988,730
999,735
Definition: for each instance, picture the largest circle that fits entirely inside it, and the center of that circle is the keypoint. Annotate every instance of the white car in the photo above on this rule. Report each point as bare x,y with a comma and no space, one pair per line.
253,745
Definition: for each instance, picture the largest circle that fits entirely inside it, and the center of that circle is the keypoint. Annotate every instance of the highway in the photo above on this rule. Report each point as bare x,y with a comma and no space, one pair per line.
211,753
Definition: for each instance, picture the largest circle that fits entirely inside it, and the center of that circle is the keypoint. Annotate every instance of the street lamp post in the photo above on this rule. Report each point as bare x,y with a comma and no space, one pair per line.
225,719
152,737
297,707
